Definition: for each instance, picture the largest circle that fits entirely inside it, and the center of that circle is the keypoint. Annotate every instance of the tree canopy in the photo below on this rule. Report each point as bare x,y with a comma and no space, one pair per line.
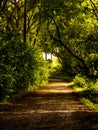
67,29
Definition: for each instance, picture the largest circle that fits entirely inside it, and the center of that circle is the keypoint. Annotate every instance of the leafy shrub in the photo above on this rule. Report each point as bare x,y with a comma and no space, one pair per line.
20,66
40,68
80,81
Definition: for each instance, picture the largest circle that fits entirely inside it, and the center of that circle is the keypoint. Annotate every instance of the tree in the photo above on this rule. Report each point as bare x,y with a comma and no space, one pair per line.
69,28
21,17
22,66
24,32
58,26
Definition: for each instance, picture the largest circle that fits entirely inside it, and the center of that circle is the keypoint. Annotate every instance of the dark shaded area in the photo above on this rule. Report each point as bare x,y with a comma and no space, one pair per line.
50,108
50,121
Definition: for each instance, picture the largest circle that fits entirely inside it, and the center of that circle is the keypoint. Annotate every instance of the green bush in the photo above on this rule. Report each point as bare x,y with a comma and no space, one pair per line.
40,68
21,66
80,81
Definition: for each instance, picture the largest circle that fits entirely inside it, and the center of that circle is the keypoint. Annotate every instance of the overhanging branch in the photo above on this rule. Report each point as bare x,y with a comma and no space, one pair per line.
62,43
94,7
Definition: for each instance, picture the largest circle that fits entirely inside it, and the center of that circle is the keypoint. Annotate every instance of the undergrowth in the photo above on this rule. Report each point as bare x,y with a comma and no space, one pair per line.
87,90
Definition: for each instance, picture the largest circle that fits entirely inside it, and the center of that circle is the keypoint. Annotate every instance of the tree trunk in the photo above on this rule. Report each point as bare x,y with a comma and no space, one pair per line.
24,32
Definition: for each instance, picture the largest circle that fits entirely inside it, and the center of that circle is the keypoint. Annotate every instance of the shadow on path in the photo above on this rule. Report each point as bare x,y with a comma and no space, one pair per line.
53,107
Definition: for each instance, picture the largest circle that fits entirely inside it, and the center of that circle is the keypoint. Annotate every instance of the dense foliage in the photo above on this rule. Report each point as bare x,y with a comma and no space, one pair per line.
21,66
72,35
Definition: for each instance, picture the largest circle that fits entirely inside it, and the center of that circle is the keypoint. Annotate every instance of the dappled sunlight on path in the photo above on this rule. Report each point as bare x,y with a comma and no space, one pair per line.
53,107
57,87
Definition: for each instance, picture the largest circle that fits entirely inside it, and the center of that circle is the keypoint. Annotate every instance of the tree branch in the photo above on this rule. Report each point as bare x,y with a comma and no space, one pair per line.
61,42
4,4
95,8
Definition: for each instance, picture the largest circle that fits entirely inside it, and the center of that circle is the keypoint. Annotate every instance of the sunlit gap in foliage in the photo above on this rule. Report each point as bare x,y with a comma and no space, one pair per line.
47,56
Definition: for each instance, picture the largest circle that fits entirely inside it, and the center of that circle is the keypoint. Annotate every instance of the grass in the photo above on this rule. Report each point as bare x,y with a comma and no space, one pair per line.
87,91
89,104
88,97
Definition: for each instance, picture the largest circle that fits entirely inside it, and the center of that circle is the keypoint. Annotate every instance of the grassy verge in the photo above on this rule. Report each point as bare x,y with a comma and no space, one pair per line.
87,90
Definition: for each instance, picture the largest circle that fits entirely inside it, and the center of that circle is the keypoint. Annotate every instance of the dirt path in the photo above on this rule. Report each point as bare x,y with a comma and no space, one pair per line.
54,107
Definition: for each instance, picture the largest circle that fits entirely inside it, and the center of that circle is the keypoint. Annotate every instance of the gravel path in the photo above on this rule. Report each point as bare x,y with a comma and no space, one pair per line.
53,107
